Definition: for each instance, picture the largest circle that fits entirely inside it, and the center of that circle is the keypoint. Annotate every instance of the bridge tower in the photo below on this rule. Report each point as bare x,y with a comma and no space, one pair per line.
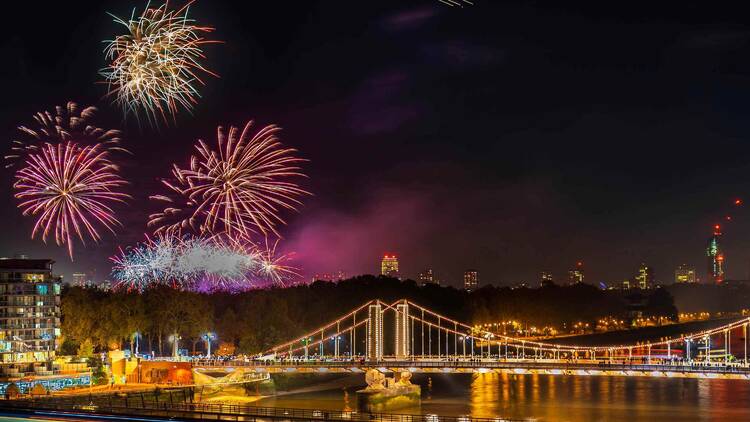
403,336
375,332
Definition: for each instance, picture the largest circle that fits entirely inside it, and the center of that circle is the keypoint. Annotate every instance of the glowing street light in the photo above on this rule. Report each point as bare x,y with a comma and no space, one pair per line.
175,339
47,337
207,337
136,337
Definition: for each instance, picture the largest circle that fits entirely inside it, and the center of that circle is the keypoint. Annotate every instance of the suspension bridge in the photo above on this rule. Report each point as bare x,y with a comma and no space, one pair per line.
421,340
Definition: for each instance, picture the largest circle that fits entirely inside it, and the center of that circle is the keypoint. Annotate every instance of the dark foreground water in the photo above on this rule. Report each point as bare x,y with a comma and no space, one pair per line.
553,398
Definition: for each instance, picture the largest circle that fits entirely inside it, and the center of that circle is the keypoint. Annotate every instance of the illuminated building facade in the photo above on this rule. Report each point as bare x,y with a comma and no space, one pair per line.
79,279
575,274
684,274
428,277
715,256
471,280
545,278
645,277
29,309
389,266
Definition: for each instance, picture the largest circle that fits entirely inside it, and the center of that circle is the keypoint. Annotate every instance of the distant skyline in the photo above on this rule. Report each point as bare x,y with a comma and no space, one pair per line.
510,137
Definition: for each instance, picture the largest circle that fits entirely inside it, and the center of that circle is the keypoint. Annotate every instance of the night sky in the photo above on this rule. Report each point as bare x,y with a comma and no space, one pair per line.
511,137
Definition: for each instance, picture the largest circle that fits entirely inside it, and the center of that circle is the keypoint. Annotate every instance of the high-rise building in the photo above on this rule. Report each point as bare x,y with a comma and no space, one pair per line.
545,278
575,274
645,277
471,280
715,257
79,279
684,274
428,277
29,309
389,266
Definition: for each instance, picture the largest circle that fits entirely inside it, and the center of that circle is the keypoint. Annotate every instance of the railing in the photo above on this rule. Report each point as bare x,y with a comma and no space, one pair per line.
690,367
140,406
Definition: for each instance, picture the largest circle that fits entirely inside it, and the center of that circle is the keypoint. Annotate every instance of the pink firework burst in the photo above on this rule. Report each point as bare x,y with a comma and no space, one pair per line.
69,123
237,189
69,189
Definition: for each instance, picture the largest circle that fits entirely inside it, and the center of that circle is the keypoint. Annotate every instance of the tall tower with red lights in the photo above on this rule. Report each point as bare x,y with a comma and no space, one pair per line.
389,266
715,257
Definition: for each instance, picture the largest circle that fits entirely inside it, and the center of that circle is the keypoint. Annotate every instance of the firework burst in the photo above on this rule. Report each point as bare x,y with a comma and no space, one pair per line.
273,267
205,264
146,264
154,68
238,189
69,123
69,189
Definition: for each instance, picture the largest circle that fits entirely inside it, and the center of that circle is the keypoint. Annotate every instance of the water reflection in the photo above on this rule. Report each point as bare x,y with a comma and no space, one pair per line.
559,398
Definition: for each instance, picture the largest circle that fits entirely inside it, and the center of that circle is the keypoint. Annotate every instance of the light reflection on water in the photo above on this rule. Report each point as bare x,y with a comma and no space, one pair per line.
558,398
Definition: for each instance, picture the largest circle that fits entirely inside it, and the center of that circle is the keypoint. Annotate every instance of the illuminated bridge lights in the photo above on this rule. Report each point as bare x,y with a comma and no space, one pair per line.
429,342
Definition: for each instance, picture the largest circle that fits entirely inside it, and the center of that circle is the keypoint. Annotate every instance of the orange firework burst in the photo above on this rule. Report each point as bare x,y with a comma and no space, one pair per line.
273,268
69,188
237,189
155,66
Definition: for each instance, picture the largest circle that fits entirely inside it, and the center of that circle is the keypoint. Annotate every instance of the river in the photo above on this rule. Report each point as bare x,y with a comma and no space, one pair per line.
552,397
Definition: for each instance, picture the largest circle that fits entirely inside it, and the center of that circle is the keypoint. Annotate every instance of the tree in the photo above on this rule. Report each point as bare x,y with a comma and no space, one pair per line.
98,376
259,319
228,327
79,313
86,349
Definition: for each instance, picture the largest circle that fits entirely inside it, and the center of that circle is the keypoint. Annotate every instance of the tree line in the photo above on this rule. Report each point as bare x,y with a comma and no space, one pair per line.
256,320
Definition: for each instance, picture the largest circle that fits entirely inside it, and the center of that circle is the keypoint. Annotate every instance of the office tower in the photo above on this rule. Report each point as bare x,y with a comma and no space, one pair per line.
79,279
684,274
389,266
575,274
645,277
428,277
545,278
471,280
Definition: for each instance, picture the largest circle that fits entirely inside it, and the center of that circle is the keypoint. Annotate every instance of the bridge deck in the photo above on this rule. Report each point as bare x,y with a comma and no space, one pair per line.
520,366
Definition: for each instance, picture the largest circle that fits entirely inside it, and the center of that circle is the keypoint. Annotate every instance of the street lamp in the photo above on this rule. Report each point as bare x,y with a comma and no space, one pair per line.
175,339
305,342
136,336
47,337
207,337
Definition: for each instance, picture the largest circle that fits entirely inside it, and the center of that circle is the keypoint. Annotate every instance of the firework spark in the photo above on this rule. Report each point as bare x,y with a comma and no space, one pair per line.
70,123
70,189
273,267
237,190
155,66
198,263
147,263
